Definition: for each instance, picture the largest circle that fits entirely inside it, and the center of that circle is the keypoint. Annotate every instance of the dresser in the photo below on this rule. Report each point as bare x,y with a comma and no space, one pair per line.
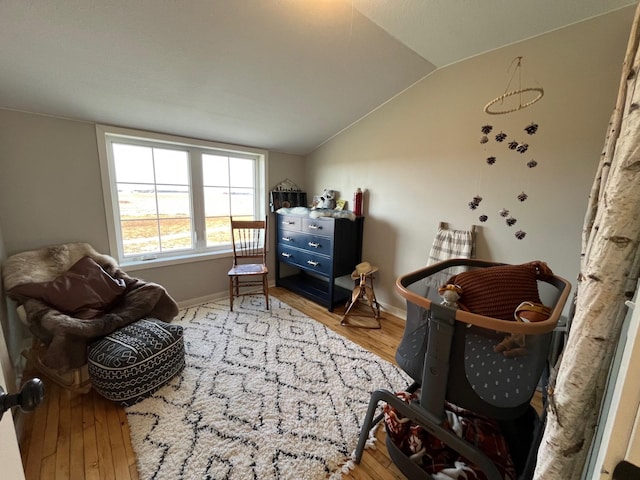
313,252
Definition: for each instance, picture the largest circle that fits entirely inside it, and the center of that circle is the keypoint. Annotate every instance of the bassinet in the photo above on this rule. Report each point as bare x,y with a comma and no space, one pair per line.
450,355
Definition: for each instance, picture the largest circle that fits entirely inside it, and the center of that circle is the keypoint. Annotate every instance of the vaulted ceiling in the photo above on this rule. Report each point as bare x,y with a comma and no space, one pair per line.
285,75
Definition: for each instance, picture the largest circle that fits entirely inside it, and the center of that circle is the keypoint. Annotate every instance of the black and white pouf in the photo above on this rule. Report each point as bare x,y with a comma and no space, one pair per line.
131,363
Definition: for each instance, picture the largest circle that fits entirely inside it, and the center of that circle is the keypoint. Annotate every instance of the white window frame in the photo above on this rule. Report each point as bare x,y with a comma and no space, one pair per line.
106,134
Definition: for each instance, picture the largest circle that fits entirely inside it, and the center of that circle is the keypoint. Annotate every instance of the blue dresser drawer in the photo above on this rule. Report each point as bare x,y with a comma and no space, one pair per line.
312,262
289,222
312,243
319,226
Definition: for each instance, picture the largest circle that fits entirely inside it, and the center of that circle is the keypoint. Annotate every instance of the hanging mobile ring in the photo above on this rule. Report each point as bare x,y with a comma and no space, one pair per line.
539,90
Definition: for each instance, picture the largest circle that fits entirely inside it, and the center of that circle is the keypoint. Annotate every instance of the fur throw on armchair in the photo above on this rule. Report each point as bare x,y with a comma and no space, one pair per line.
39,278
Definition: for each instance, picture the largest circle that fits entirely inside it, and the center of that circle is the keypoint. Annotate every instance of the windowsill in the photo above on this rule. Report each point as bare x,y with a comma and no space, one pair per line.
168,261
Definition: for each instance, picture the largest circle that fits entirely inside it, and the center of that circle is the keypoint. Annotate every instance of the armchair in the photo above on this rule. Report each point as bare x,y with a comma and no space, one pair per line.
72,295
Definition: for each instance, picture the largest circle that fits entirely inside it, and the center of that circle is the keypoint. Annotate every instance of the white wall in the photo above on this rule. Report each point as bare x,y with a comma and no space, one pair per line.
51,192
11,337
421,162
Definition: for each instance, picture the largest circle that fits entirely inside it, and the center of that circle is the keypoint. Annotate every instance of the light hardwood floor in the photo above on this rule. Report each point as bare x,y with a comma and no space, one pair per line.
85,437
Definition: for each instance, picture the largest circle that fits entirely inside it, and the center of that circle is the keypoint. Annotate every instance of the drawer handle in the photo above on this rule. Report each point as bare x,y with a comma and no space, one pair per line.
287,239
315,227
288,222
286,255
313,244
313,263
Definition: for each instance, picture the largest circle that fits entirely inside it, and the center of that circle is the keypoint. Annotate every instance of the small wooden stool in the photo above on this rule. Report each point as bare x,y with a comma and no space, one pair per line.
364,290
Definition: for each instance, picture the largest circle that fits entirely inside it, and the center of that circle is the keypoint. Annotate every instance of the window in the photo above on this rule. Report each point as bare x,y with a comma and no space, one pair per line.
170,198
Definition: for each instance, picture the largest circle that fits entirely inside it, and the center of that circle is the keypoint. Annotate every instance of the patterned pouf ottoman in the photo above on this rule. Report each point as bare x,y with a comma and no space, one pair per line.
131,363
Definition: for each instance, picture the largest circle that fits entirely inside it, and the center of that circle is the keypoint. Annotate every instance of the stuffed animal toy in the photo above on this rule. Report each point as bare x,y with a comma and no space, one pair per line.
450,294
514,345
327,199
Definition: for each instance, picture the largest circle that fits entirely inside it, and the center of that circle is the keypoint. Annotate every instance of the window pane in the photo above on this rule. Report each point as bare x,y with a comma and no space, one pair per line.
174,210
218,231
175,233
171,166
216,202
137,201
242,202
241,172
140,236
215,170
173,201
133,163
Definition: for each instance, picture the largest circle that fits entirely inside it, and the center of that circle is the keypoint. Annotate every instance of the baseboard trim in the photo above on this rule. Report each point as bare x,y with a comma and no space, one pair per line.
398,312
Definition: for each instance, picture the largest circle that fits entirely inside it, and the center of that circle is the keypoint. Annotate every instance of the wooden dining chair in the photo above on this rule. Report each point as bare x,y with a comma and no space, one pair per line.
249,239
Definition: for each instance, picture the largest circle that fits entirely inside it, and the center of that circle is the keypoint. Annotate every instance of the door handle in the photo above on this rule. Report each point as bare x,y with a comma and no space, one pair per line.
31,395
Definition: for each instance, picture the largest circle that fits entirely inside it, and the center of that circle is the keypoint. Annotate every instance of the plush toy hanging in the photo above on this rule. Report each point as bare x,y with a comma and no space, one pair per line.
450,294
515,344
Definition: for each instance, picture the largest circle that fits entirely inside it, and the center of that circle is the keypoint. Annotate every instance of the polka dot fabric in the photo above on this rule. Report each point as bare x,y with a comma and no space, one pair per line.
500,381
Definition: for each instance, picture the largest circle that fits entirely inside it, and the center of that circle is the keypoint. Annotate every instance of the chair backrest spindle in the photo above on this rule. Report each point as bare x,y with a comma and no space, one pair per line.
249,238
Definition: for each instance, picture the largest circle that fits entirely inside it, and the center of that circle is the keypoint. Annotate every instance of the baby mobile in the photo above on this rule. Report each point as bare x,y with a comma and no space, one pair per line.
514,143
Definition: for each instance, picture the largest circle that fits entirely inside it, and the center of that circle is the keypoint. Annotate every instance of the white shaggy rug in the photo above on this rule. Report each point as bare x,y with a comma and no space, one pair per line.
264,395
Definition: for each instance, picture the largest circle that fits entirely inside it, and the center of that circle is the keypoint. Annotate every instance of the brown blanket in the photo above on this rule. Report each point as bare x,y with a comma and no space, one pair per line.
66,336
